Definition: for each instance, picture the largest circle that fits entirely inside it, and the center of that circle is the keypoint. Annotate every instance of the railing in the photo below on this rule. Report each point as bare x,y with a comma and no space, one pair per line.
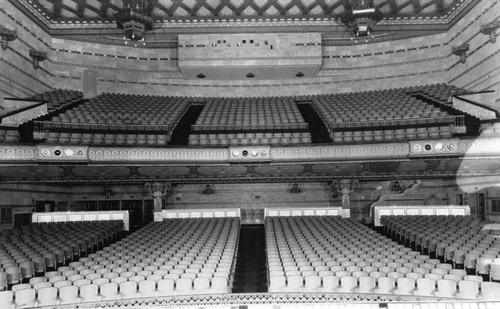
199,213
80,216
419,210
457,121
248,127
41,126
316,211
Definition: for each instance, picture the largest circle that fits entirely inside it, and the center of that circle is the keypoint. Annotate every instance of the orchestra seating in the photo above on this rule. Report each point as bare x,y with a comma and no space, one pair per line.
57,98
128,120
245,121
169,258
388,115
333,254
462,241
39,249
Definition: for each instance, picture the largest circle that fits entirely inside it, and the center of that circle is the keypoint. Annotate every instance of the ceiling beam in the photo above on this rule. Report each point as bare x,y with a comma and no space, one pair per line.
416,5
57,8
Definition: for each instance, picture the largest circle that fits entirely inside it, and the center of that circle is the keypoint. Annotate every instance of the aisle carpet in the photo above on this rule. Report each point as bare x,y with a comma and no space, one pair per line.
251,274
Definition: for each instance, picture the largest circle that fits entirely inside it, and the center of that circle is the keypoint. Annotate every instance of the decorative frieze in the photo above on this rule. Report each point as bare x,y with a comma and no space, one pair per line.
341,152
17,153
113,154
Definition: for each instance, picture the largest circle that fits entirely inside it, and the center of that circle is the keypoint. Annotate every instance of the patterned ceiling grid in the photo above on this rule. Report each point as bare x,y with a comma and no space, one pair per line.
178,9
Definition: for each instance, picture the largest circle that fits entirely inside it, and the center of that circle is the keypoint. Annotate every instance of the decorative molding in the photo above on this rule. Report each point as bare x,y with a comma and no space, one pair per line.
341,152
116,154
480,147
257,299
17,153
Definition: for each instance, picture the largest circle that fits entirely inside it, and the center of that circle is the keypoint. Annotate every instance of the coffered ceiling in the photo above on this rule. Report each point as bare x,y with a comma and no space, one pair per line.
101,10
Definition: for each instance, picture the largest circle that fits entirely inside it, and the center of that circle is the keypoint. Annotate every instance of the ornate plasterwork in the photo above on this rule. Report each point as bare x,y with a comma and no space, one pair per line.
17,153
98,13
344,152
469,147
113,154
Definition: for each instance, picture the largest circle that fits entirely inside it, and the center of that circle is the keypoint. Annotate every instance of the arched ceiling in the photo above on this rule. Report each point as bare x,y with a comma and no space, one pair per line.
65,10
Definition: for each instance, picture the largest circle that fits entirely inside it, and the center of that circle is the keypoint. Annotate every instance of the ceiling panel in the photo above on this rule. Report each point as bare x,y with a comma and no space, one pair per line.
168,9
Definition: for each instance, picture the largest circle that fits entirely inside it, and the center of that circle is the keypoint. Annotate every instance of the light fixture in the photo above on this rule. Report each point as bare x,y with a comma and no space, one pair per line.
134,19
37,57
362,17
461,51
6,36
208,190
491,29
295,188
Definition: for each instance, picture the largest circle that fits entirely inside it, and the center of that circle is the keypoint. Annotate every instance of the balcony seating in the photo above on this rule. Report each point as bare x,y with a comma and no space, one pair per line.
226,120
386,108
120,112
57,98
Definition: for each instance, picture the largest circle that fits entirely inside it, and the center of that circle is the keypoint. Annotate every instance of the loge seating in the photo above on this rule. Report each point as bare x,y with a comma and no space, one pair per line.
331,254
268,120
169,258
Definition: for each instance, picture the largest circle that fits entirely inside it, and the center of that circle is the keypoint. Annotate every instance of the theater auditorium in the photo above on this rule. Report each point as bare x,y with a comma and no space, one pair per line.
250,154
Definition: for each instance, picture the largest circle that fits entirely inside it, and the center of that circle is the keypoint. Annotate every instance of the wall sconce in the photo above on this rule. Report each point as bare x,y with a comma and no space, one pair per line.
6,36
208,190
37,57
295,188
106,191
490,30
461,51
396,186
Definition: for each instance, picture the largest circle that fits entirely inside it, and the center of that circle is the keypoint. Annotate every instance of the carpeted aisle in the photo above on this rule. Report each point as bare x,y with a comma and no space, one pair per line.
251,273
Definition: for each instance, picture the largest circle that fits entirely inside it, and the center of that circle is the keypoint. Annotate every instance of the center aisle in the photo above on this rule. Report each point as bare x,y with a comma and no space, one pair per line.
251,273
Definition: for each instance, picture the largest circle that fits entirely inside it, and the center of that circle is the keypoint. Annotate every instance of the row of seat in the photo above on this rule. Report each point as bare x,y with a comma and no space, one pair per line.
390,134
285,138
258,112
426,287
57,98
45,295
107,139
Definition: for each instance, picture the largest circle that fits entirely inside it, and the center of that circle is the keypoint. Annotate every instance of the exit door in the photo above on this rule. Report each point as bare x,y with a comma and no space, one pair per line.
140,212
